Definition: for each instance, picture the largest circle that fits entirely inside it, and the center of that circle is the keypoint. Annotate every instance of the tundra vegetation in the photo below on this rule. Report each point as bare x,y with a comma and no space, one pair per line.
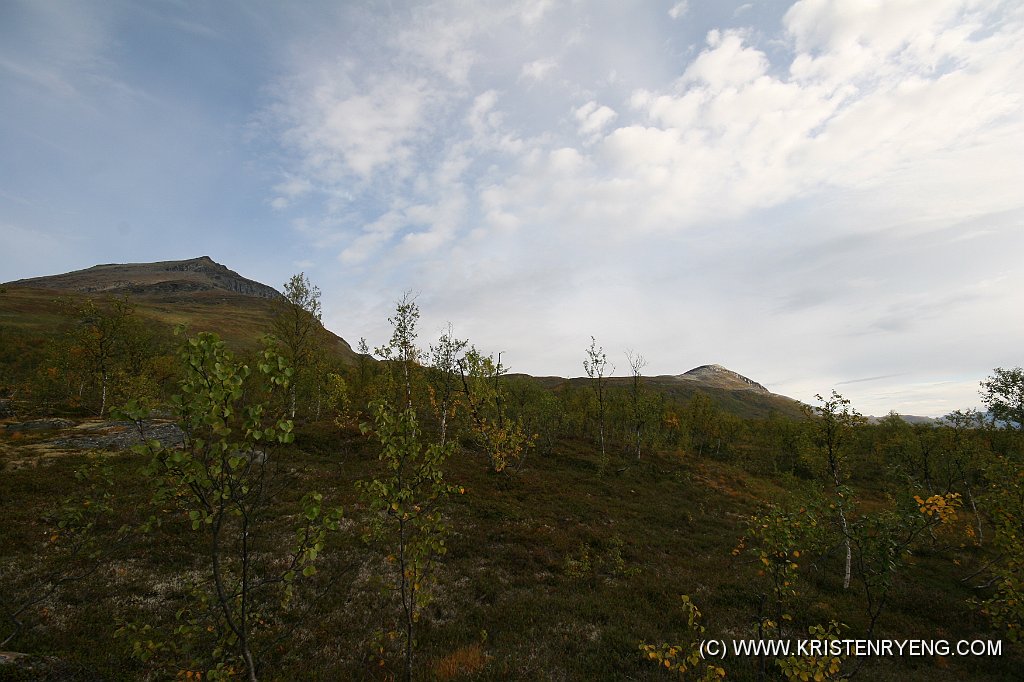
495,526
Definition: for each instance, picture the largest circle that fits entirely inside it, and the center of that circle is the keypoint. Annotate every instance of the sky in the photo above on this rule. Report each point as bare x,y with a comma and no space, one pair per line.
815,194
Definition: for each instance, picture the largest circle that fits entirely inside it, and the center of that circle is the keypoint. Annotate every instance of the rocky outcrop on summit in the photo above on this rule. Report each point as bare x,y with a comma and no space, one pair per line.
720,377
166,277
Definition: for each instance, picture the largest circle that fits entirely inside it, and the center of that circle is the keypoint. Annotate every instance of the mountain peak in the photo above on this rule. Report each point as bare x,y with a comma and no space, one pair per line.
722,377
154,279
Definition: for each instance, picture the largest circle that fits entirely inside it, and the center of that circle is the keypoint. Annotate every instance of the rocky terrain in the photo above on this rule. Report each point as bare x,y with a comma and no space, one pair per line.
721,377
154,279
92,434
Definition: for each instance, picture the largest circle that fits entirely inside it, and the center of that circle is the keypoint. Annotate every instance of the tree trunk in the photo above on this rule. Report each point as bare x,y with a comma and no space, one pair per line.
833,465
444,422
970,498
103,394
408,600
849,553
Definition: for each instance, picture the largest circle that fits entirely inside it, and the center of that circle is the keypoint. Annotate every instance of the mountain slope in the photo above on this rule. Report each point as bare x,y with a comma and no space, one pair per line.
166,279
720,377
732,392
199,293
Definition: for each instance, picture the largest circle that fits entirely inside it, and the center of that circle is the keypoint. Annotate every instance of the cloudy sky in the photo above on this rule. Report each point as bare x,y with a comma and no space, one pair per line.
815,194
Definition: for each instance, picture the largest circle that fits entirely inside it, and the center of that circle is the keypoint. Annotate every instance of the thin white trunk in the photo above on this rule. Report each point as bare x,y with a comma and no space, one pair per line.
849,553
103,398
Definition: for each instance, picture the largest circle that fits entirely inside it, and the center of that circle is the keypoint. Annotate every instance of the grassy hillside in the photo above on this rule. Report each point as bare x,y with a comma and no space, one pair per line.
34,313
511,601
742,403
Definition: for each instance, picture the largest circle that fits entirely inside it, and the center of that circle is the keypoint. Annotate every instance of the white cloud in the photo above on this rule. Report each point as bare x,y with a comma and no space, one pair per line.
438,42
593,118
679,9
438,223
293,187
882,43
728,64
537,70
482,118
341,129
534,10
837,25
290,189
374,236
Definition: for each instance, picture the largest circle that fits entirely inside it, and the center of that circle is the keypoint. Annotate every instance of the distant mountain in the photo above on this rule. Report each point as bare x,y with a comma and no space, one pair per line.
163,279
720,377
199,293
909,418
732,392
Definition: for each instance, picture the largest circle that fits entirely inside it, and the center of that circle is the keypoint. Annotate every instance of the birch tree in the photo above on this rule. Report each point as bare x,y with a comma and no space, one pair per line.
636,366
597,368
103,335
223,479
834,422
444,360
401,351
297,327
407,496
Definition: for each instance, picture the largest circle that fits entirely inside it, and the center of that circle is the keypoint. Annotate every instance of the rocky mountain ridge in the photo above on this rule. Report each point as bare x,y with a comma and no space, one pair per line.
149,279
722,377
